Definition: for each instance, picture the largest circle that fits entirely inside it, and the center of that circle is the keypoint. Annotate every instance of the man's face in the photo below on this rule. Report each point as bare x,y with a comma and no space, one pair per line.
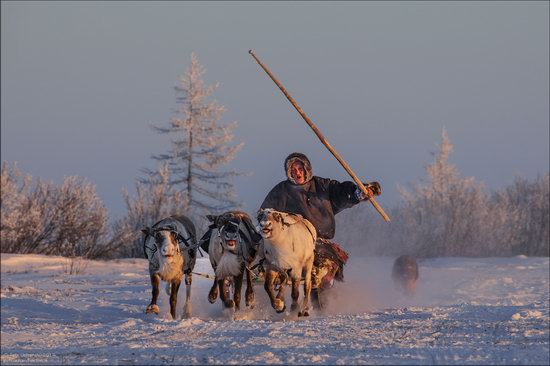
298,173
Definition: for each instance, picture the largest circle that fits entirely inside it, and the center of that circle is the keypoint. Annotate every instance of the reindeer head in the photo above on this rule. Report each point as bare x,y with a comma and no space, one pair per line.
272,222
228,229
265,225
166,242
269,221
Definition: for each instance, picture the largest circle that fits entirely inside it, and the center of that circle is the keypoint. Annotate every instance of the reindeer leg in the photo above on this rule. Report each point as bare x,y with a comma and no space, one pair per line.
238,283
174,296
281,293
155,283
316,298
295,294
213,294
249,294
270,276
317,274
307,290
188,307
224,293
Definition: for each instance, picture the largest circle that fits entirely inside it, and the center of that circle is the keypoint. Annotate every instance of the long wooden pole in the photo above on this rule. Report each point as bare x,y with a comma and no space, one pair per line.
323,139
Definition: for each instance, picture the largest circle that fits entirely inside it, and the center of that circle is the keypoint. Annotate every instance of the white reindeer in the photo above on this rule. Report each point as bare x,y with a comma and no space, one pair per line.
170,247
288,249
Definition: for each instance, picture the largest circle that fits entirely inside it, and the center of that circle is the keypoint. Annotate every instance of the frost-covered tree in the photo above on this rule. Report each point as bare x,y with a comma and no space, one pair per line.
79,220
446,215
524,209
15,211
200,145
67,220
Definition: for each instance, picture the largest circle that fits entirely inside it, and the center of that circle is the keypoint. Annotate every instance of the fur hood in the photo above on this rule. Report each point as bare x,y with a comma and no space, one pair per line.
301,158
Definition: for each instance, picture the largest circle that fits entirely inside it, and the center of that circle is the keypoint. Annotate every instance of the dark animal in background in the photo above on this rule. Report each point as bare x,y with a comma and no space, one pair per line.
405,274
231,243
170,247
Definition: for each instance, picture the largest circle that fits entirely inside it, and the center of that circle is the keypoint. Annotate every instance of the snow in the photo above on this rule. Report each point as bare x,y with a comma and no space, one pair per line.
465,311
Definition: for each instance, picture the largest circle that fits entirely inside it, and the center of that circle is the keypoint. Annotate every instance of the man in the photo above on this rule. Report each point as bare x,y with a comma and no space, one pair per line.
318,200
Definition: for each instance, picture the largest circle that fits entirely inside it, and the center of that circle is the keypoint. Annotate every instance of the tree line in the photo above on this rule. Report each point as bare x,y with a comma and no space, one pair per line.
446,216
452,216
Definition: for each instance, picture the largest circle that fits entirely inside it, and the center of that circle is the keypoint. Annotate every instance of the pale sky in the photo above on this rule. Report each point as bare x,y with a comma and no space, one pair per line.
81,82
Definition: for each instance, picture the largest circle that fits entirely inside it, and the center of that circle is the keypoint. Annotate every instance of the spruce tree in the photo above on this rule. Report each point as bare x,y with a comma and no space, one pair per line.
200,145
446,215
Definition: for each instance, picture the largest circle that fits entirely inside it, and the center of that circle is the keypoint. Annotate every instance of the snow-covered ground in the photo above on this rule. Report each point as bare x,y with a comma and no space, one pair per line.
465,311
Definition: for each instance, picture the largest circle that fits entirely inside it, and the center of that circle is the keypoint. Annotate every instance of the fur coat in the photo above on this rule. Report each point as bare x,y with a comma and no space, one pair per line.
318,199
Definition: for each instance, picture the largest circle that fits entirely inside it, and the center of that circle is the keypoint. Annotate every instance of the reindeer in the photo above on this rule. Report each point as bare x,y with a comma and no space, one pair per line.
288,249
170,247
231,243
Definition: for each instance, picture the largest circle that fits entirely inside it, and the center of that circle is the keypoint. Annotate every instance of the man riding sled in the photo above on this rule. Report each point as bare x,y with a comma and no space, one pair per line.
318,200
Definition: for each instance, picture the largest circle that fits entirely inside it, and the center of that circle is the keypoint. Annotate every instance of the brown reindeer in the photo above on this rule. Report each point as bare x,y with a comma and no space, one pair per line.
405,274
170,247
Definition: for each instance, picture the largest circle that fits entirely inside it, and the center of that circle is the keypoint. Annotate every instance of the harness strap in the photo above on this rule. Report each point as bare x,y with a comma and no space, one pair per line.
180,239
205,275
200,251
259,264
145,247
254,276
313,235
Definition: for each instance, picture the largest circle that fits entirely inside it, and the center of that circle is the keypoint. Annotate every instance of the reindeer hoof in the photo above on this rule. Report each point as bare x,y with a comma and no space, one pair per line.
212,296
187,310
229,304
250,300
279,305
303,313
153,308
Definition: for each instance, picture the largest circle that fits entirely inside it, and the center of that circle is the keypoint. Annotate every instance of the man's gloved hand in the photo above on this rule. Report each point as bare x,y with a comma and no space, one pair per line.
373,188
